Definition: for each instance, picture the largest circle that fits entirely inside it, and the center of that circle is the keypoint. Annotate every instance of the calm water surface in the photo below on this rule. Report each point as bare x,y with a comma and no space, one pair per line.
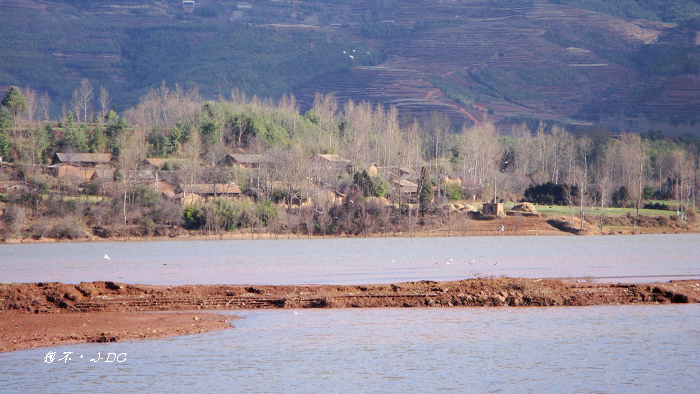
355,260
559,349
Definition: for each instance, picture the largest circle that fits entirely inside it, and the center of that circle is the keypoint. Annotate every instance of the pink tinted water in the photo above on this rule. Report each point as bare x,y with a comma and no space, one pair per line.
641,258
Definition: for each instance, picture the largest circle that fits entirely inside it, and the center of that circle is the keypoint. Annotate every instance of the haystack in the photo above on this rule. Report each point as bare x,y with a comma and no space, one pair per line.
525,207
469,208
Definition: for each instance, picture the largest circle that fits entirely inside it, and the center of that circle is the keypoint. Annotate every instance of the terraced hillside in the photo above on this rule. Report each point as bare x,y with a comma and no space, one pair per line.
544,61
623,64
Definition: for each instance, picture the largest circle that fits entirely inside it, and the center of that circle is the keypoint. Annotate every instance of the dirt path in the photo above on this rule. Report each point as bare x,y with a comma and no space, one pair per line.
47,314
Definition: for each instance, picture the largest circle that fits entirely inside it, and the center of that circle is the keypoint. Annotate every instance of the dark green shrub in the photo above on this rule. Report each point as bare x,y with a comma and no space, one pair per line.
552,194
193,218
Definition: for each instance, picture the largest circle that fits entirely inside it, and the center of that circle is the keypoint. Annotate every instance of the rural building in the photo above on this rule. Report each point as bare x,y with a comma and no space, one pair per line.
407,188
72,172
157,164
165,188
82,159
329,197
334,162
103,174
199,193
248,160
493,209
408,174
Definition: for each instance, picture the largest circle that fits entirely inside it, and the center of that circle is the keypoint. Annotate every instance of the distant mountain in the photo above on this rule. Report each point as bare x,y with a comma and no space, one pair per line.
623,64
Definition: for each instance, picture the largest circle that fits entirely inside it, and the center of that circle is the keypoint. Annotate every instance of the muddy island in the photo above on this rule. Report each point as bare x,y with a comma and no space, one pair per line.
48,314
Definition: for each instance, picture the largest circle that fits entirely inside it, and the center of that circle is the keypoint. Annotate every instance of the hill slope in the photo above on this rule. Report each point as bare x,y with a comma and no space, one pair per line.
625,64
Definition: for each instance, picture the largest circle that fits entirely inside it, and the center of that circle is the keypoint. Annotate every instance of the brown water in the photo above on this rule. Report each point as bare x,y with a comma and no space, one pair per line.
643,258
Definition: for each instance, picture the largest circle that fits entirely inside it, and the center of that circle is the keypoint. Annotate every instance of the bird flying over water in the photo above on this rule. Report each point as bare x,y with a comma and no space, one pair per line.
106,257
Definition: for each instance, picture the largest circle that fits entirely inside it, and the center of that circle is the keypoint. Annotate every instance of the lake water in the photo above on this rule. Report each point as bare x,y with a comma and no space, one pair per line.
643,258
632,349
651,348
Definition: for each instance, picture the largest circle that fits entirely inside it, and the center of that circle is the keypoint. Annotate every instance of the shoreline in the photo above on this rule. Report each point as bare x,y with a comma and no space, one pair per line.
492,231
51,314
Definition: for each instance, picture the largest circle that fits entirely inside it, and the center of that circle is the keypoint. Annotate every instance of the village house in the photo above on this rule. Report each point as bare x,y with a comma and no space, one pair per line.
407,189
200,193
82,159
78,167
408,174
72,172
335,162
158,164
248,160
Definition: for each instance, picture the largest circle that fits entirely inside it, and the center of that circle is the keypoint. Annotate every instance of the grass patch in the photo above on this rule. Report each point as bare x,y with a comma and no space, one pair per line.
595,211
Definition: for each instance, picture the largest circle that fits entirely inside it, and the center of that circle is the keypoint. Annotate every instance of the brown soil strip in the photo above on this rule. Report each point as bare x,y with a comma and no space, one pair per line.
46,314
27,330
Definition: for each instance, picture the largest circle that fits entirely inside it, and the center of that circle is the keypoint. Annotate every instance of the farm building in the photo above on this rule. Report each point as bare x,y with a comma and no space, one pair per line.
334,162
493,209
199,193
82,159
72,172
248,160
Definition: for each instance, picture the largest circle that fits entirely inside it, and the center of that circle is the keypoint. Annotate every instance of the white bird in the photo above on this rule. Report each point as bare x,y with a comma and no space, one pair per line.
106,257
345,52
352,57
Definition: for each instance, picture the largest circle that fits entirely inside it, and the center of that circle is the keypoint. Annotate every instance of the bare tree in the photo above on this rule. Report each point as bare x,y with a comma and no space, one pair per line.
581,173
133,150
523,148
85,96
604,177
480,154
105,101
191,151
44,107
357,130
633,158
325,108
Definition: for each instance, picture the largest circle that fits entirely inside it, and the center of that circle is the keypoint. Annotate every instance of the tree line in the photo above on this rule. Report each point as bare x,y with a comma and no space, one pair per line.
548,164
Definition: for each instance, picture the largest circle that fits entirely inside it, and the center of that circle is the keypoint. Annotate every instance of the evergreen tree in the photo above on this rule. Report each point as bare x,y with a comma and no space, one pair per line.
14,101
4,145
425,189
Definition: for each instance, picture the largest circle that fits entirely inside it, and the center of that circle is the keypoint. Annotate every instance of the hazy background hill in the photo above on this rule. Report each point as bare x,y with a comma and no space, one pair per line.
623,64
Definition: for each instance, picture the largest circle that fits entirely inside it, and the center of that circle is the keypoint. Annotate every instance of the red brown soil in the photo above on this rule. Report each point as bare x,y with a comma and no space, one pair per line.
28,330
46,314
